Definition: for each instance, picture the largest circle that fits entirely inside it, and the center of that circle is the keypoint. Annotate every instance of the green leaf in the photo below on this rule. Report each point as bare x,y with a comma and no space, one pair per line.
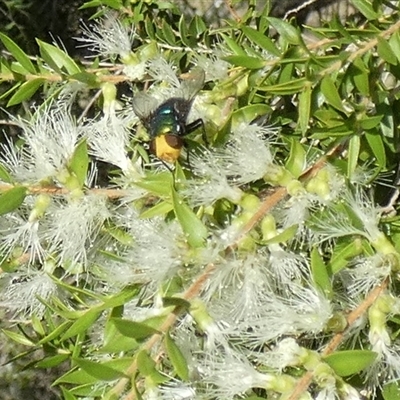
349,362
147,367
330,93
261,40
286,88
342,255
4,175
81,324
161,208
99,371
55,333
25,91
157,184
53,361
287,31
57,59
284,236
76,377
115,4
320,273
194,229
391,391
198,24
385,51
175,302
249,113
132,329
86,78
365,8
18,54
245,61
167,33
18,338
360,75
67,395
89,390
233,45
354,152
12,199
184,33
37,325
370,122
394,43
297,158
376,143
118,234
304,108
79,162
145,363
176,357
116,342
388,125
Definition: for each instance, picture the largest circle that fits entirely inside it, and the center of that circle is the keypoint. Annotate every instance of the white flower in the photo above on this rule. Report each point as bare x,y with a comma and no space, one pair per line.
50,141
108,140
247,156
364,273
163,71
157,252
17,232
295,211
176,390
286,267
239,285
213,65
303,311
23,292
213,184
287,353
108,37
229,374
73,228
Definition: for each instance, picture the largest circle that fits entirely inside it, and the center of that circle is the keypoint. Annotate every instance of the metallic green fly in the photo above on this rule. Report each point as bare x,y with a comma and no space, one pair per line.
167,124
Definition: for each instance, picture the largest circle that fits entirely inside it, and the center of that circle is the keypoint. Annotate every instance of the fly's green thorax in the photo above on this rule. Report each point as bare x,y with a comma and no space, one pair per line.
169,118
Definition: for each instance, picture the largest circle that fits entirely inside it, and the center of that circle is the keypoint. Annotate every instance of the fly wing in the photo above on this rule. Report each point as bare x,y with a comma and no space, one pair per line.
192,82
143,105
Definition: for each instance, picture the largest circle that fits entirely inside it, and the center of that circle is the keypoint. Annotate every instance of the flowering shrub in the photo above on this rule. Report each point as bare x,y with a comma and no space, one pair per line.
255,263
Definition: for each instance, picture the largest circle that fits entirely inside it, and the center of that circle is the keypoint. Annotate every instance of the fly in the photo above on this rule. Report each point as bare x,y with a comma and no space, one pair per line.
167,124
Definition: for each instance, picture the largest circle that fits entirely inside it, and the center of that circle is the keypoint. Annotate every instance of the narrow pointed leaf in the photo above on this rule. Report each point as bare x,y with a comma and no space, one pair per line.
80,162
25,91
287,31
98,370
176,357
349,362
194,229
354,152
12,199
132,329
330,93
81,324
304,108
320,273
18,53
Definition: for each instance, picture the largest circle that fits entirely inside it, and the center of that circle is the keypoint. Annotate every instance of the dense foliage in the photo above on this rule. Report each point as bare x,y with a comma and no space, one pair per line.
255,254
